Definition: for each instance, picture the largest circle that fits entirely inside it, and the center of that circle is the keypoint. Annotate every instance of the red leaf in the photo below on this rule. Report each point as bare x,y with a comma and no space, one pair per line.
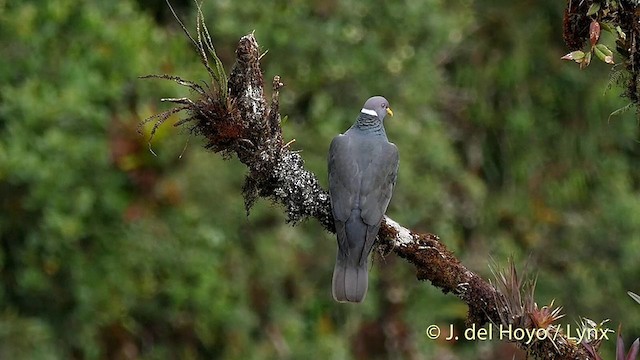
594,32
620,346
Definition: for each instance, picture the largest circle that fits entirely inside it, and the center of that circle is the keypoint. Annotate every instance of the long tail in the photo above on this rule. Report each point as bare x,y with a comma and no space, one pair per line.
349,282
350,275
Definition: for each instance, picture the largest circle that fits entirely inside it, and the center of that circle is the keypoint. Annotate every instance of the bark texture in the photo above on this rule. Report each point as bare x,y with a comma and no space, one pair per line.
241,122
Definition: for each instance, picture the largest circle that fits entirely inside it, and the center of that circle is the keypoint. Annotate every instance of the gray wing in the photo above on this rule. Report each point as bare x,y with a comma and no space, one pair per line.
344,177
377,184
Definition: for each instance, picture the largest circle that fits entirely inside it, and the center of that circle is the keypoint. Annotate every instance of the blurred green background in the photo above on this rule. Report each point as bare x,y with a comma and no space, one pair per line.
109,252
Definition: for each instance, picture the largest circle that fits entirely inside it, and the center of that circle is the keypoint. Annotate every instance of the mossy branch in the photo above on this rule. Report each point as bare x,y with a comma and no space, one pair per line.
238,121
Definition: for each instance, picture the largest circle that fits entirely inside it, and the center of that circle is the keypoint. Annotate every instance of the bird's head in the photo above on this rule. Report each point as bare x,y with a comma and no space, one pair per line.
377,106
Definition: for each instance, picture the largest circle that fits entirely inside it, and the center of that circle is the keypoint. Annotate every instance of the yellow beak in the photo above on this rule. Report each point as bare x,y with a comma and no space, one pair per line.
389,111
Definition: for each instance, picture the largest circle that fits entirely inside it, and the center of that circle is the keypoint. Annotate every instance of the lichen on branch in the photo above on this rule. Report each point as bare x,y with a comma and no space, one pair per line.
239,121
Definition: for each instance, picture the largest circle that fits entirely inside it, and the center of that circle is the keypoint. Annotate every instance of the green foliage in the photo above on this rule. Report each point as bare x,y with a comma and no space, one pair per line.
109,252
585,19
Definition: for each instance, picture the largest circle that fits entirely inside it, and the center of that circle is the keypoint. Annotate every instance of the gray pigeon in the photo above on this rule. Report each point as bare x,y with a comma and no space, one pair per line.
363,166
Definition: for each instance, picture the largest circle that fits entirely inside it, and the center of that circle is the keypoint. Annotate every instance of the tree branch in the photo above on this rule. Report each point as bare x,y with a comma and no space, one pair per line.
242,124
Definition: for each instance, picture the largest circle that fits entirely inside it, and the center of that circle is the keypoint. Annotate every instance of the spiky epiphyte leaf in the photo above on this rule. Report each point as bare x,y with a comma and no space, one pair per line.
545,316
510,286
592,350
204,41
634,296
204,46
620,349
518,300
592,332
211,114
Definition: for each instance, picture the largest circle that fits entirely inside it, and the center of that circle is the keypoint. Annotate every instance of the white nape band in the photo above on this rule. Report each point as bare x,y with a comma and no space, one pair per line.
369,112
